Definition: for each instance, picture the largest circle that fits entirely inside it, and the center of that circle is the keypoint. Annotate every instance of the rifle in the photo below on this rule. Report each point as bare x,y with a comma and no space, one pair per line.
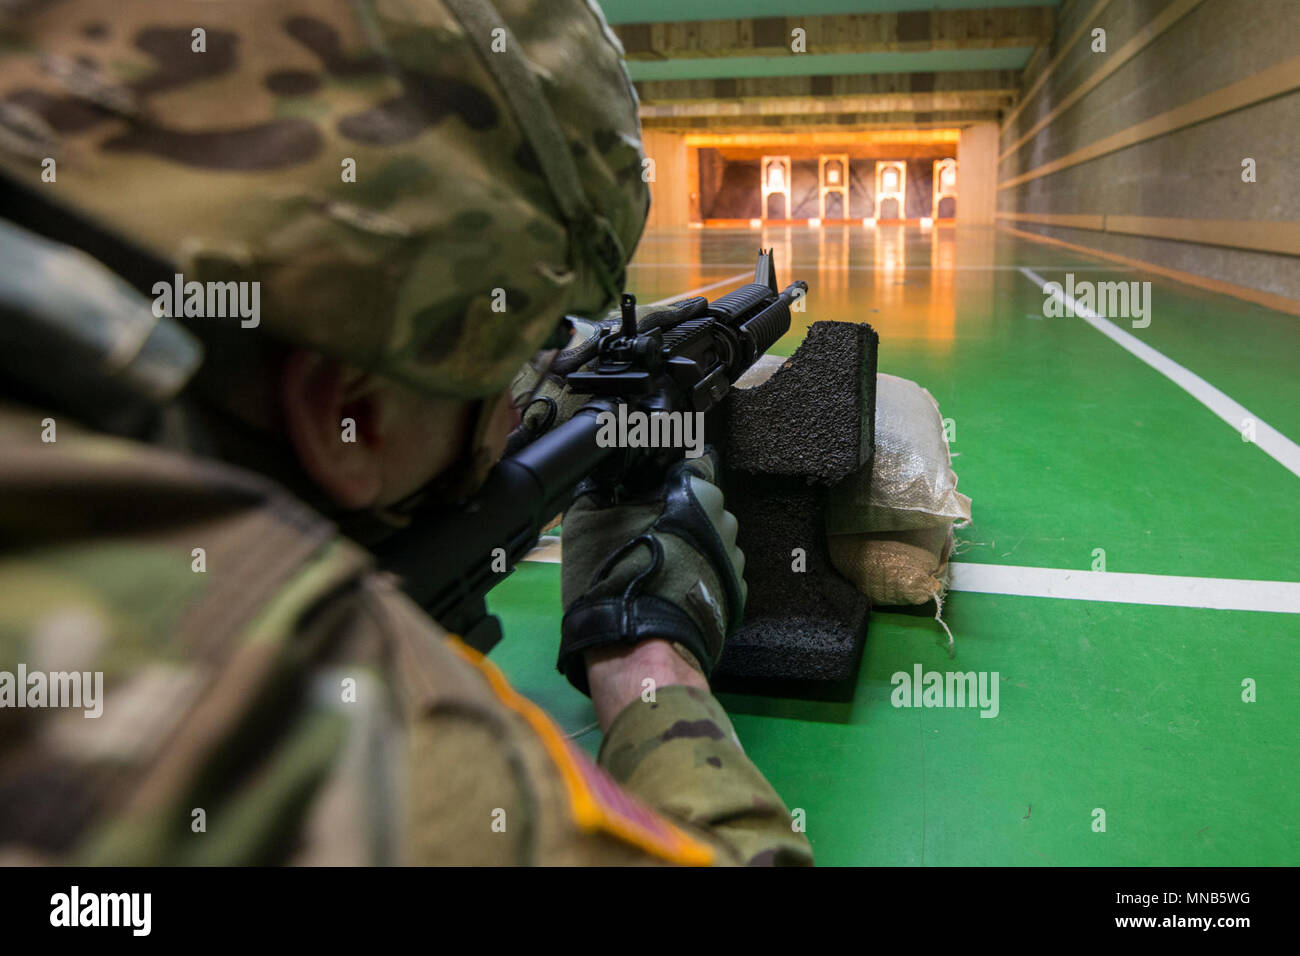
684,359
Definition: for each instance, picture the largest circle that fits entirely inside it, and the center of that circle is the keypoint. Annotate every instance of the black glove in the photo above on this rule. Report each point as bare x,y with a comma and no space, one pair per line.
660,566
538,389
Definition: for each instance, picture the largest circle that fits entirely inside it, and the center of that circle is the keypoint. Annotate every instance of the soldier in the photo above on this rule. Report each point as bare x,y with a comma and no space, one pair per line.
355,221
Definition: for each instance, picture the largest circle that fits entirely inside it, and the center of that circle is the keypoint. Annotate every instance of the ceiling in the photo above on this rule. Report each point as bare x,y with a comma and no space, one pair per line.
635,11
728,66
830,64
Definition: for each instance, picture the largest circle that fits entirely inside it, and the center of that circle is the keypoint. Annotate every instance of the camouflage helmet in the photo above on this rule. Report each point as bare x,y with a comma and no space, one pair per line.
419,187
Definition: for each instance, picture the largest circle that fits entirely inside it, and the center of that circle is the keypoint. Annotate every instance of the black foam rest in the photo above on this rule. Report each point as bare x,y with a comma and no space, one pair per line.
787,440
807,420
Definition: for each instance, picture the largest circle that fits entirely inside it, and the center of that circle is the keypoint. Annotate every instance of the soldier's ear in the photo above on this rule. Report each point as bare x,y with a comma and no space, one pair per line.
335,423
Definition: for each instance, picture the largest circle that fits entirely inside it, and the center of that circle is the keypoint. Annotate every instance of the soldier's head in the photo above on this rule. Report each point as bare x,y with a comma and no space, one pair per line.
418,189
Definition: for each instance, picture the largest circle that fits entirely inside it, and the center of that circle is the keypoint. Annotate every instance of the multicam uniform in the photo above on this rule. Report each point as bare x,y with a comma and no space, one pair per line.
299,699
270,697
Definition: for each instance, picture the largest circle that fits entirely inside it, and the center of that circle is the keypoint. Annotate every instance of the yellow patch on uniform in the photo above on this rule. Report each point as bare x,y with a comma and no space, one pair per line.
596,801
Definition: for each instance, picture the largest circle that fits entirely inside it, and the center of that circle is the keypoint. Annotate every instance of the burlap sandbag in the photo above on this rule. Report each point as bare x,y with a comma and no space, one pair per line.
763,368
895,567
891,535
912,484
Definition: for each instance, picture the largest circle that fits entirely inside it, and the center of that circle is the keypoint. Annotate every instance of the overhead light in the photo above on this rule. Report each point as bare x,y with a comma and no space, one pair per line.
868,222
814,222
755,224
926,222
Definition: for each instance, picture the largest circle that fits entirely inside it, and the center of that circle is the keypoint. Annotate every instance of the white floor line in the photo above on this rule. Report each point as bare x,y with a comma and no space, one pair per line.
1118,587
729,280
1273,443
1114,587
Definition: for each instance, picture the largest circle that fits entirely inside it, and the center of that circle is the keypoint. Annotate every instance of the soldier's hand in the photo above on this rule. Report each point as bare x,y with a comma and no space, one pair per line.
538,389
661,566
543,400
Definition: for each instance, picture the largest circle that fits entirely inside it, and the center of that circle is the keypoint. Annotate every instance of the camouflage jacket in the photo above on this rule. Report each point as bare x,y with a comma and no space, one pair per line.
268,697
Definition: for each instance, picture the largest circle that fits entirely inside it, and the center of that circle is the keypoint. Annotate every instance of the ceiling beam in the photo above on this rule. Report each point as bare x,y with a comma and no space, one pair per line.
800,143
817,105
907,31
1005,82
941,119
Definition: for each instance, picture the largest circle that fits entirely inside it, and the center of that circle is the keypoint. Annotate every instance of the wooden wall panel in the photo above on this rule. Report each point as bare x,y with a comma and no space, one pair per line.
977,173
670,191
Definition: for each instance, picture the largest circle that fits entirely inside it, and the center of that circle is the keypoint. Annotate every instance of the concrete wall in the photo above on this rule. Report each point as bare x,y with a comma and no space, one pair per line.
1137,151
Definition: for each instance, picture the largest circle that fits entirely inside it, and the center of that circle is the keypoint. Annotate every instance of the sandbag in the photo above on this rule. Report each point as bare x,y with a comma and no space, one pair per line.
895,567
911,483
764,367
889,528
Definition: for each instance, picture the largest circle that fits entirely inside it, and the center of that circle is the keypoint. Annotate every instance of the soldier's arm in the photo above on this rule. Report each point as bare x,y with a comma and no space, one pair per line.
677,750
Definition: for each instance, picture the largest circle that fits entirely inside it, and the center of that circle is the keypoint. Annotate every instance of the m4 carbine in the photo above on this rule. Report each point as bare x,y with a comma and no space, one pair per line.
683,359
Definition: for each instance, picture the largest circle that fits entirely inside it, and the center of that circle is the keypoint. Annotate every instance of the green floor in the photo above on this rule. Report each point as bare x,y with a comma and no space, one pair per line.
1067,444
